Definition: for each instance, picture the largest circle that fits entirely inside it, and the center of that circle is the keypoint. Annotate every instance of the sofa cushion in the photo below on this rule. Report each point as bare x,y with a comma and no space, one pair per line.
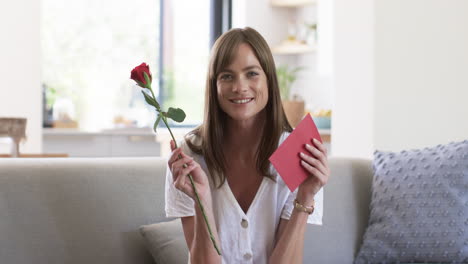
79,210
166,242
419,206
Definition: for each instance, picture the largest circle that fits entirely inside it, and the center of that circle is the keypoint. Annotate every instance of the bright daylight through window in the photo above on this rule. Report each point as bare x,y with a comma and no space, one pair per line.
89,47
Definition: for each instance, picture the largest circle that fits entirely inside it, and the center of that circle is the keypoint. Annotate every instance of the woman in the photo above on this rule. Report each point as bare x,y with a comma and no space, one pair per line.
249,207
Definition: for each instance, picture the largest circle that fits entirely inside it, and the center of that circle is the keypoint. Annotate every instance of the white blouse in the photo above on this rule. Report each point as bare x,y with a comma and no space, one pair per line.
244,237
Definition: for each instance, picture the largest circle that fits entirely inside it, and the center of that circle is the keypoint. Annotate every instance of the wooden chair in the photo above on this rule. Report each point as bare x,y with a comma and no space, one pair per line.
14,128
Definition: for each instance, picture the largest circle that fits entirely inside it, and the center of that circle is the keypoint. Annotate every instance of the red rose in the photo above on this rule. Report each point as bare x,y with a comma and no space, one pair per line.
138,75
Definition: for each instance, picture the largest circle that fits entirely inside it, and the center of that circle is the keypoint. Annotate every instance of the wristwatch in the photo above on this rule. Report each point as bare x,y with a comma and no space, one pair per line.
303,208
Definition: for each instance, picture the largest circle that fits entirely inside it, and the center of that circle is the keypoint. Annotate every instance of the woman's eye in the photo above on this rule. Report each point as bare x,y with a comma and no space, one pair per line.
252,74
226,77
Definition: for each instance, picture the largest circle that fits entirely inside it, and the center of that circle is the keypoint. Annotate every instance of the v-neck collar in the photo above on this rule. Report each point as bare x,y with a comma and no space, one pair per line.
234,201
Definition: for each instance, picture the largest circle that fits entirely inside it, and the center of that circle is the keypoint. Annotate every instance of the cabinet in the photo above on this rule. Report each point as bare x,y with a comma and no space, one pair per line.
138,142
100,144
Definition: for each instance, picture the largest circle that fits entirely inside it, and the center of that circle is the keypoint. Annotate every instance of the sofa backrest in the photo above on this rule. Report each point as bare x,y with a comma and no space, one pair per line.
78,210
345,214
88,210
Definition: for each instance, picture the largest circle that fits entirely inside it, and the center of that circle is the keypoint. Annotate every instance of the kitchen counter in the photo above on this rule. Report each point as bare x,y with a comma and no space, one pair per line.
118,142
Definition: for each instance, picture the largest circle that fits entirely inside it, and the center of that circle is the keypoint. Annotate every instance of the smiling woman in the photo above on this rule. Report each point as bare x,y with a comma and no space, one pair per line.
227,156
242,87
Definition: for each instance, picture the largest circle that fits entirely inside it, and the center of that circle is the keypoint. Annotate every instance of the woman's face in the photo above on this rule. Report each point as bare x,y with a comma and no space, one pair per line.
242,86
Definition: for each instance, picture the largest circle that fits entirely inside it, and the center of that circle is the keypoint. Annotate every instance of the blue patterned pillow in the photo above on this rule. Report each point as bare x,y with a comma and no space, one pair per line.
419,206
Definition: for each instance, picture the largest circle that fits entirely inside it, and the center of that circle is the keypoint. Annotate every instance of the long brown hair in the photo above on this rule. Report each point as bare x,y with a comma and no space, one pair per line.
211,130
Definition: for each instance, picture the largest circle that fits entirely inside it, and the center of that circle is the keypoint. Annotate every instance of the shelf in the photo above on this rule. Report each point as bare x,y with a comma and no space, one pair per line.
292,47
292,3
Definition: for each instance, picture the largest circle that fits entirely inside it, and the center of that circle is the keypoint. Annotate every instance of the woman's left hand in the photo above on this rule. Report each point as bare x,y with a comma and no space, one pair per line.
316,163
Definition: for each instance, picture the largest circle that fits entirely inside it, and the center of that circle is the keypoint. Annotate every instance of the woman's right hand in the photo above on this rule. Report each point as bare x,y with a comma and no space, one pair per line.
180,174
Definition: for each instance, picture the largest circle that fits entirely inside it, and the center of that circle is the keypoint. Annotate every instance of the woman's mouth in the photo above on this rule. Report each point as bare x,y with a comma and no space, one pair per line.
241,101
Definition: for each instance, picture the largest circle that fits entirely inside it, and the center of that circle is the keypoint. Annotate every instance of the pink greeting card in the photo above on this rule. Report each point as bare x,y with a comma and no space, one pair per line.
286,159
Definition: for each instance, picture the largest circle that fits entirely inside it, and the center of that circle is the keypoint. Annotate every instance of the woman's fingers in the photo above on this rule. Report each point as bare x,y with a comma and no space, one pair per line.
179,164
172,145
313,162
180,182
174,156
317,164
316,172
320,146
317,153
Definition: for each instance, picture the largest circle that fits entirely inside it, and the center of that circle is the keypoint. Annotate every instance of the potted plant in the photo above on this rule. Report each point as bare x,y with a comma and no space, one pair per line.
294,107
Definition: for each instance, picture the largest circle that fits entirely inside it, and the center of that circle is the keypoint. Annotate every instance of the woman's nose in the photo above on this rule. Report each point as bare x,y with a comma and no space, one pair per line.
240,85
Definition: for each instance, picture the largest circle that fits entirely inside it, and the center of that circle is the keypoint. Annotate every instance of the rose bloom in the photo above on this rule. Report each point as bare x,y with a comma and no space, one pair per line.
137,74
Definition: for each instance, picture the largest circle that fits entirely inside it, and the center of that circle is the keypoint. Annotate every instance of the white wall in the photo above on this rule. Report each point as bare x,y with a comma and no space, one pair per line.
20,88
400,75
421,73
261,15
353,78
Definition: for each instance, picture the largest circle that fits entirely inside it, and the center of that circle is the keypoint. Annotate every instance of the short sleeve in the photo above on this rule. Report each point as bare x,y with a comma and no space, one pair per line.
314,218
177,203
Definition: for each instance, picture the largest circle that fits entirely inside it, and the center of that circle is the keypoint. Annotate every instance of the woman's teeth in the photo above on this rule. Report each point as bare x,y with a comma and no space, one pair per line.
243,101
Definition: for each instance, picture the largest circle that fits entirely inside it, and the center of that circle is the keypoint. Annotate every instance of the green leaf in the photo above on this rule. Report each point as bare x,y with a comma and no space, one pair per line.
148,80
150,100
156,123
176,114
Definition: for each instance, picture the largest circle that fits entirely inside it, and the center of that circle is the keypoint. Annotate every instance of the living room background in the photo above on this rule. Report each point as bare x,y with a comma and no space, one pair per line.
396,82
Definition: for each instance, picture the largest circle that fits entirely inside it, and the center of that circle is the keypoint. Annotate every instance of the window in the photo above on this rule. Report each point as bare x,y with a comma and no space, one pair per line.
185,56
88,50
90,46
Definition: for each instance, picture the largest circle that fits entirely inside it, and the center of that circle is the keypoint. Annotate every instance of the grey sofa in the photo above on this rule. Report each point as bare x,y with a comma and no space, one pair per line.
88,210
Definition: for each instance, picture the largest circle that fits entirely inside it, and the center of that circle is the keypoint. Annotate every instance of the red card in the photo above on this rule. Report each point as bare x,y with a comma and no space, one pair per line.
286,159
